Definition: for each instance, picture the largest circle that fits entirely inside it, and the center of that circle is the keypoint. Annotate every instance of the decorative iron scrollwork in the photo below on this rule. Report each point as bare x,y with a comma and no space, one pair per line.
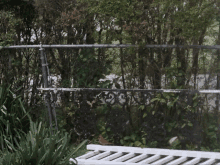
185,112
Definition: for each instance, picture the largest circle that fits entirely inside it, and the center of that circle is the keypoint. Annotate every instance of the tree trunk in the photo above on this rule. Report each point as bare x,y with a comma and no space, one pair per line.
181,61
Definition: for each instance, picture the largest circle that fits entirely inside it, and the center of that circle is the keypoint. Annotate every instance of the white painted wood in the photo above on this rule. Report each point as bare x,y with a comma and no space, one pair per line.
99,156
178,161
120,155
210,161
149,160
138,158
155,151
164,160
120,159
113,156
89,154
193,161
97,162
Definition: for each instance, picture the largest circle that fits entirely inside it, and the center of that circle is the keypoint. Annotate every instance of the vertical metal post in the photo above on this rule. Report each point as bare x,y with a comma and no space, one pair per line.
44,69
218,97
218,70
45,78
218,74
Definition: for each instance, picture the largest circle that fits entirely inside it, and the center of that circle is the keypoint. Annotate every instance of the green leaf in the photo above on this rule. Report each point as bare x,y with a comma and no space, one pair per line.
127,137
145,114
154,99
190,124
78,147
3,108
42,159
39,127
195,104
169,104
169,129
133,137
9,145
131,144
141,107
183,125
137,143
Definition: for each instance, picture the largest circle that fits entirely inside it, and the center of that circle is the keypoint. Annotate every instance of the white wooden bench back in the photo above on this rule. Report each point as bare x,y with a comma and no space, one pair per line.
120,155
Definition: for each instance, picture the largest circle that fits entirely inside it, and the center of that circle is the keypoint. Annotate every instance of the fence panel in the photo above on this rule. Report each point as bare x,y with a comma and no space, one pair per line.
144,70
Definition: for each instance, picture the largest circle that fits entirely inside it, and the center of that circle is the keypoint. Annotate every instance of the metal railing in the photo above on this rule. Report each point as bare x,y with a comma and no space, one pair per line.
111,46
83,94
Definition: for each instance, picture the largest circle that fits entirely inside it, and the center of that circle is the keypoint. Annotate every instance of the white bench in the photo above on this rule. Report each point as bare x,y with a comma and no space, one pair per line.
120,155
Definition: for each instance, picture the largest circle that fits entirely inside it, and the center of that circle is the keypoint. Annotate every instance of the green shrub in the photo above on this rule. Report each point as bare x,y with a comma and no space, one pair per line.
133,140
9,158
14,120
40,147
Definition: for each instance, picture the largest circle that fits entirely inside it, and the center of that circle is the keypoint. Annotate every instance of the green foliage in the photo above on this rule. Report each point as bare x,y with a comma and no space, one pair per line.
191,17
105,84
176,144
168,100
41,147
211,131
163,21
101,123
209,126
89,70
134,140
65,119
37,146
8,24
174,111
9,158
13,117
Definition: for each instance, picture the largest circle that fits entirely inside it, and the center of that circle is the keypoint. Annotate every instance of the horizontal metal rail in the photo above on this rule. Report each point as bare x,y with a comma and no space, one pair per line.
110,46
129,90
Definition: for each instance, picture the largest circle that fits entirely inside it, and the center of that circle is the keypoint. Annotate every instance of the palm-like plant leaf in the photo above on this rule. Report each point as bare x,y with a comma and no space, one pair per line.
12,117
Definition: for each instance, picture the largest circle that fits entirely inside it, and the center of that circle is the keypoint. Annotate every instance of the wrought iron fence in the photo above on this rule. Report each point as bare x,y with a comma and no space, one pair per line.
162,90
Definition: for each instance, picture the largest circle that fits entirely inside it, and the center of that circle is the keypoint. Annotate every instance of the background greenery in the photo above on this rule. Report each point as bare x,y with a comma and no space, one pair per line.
26,22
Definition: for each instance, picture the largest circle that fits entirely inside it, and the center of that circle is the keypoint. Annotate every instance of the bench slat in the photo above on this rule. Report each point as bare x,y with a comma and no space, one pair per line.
120,155
210,161
178,161
193,161
164,160
120,159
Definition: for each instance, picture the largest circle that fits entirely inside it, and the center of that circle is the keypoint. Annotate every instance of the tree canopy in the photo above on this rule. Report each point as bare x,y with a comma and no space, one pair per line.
111,21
